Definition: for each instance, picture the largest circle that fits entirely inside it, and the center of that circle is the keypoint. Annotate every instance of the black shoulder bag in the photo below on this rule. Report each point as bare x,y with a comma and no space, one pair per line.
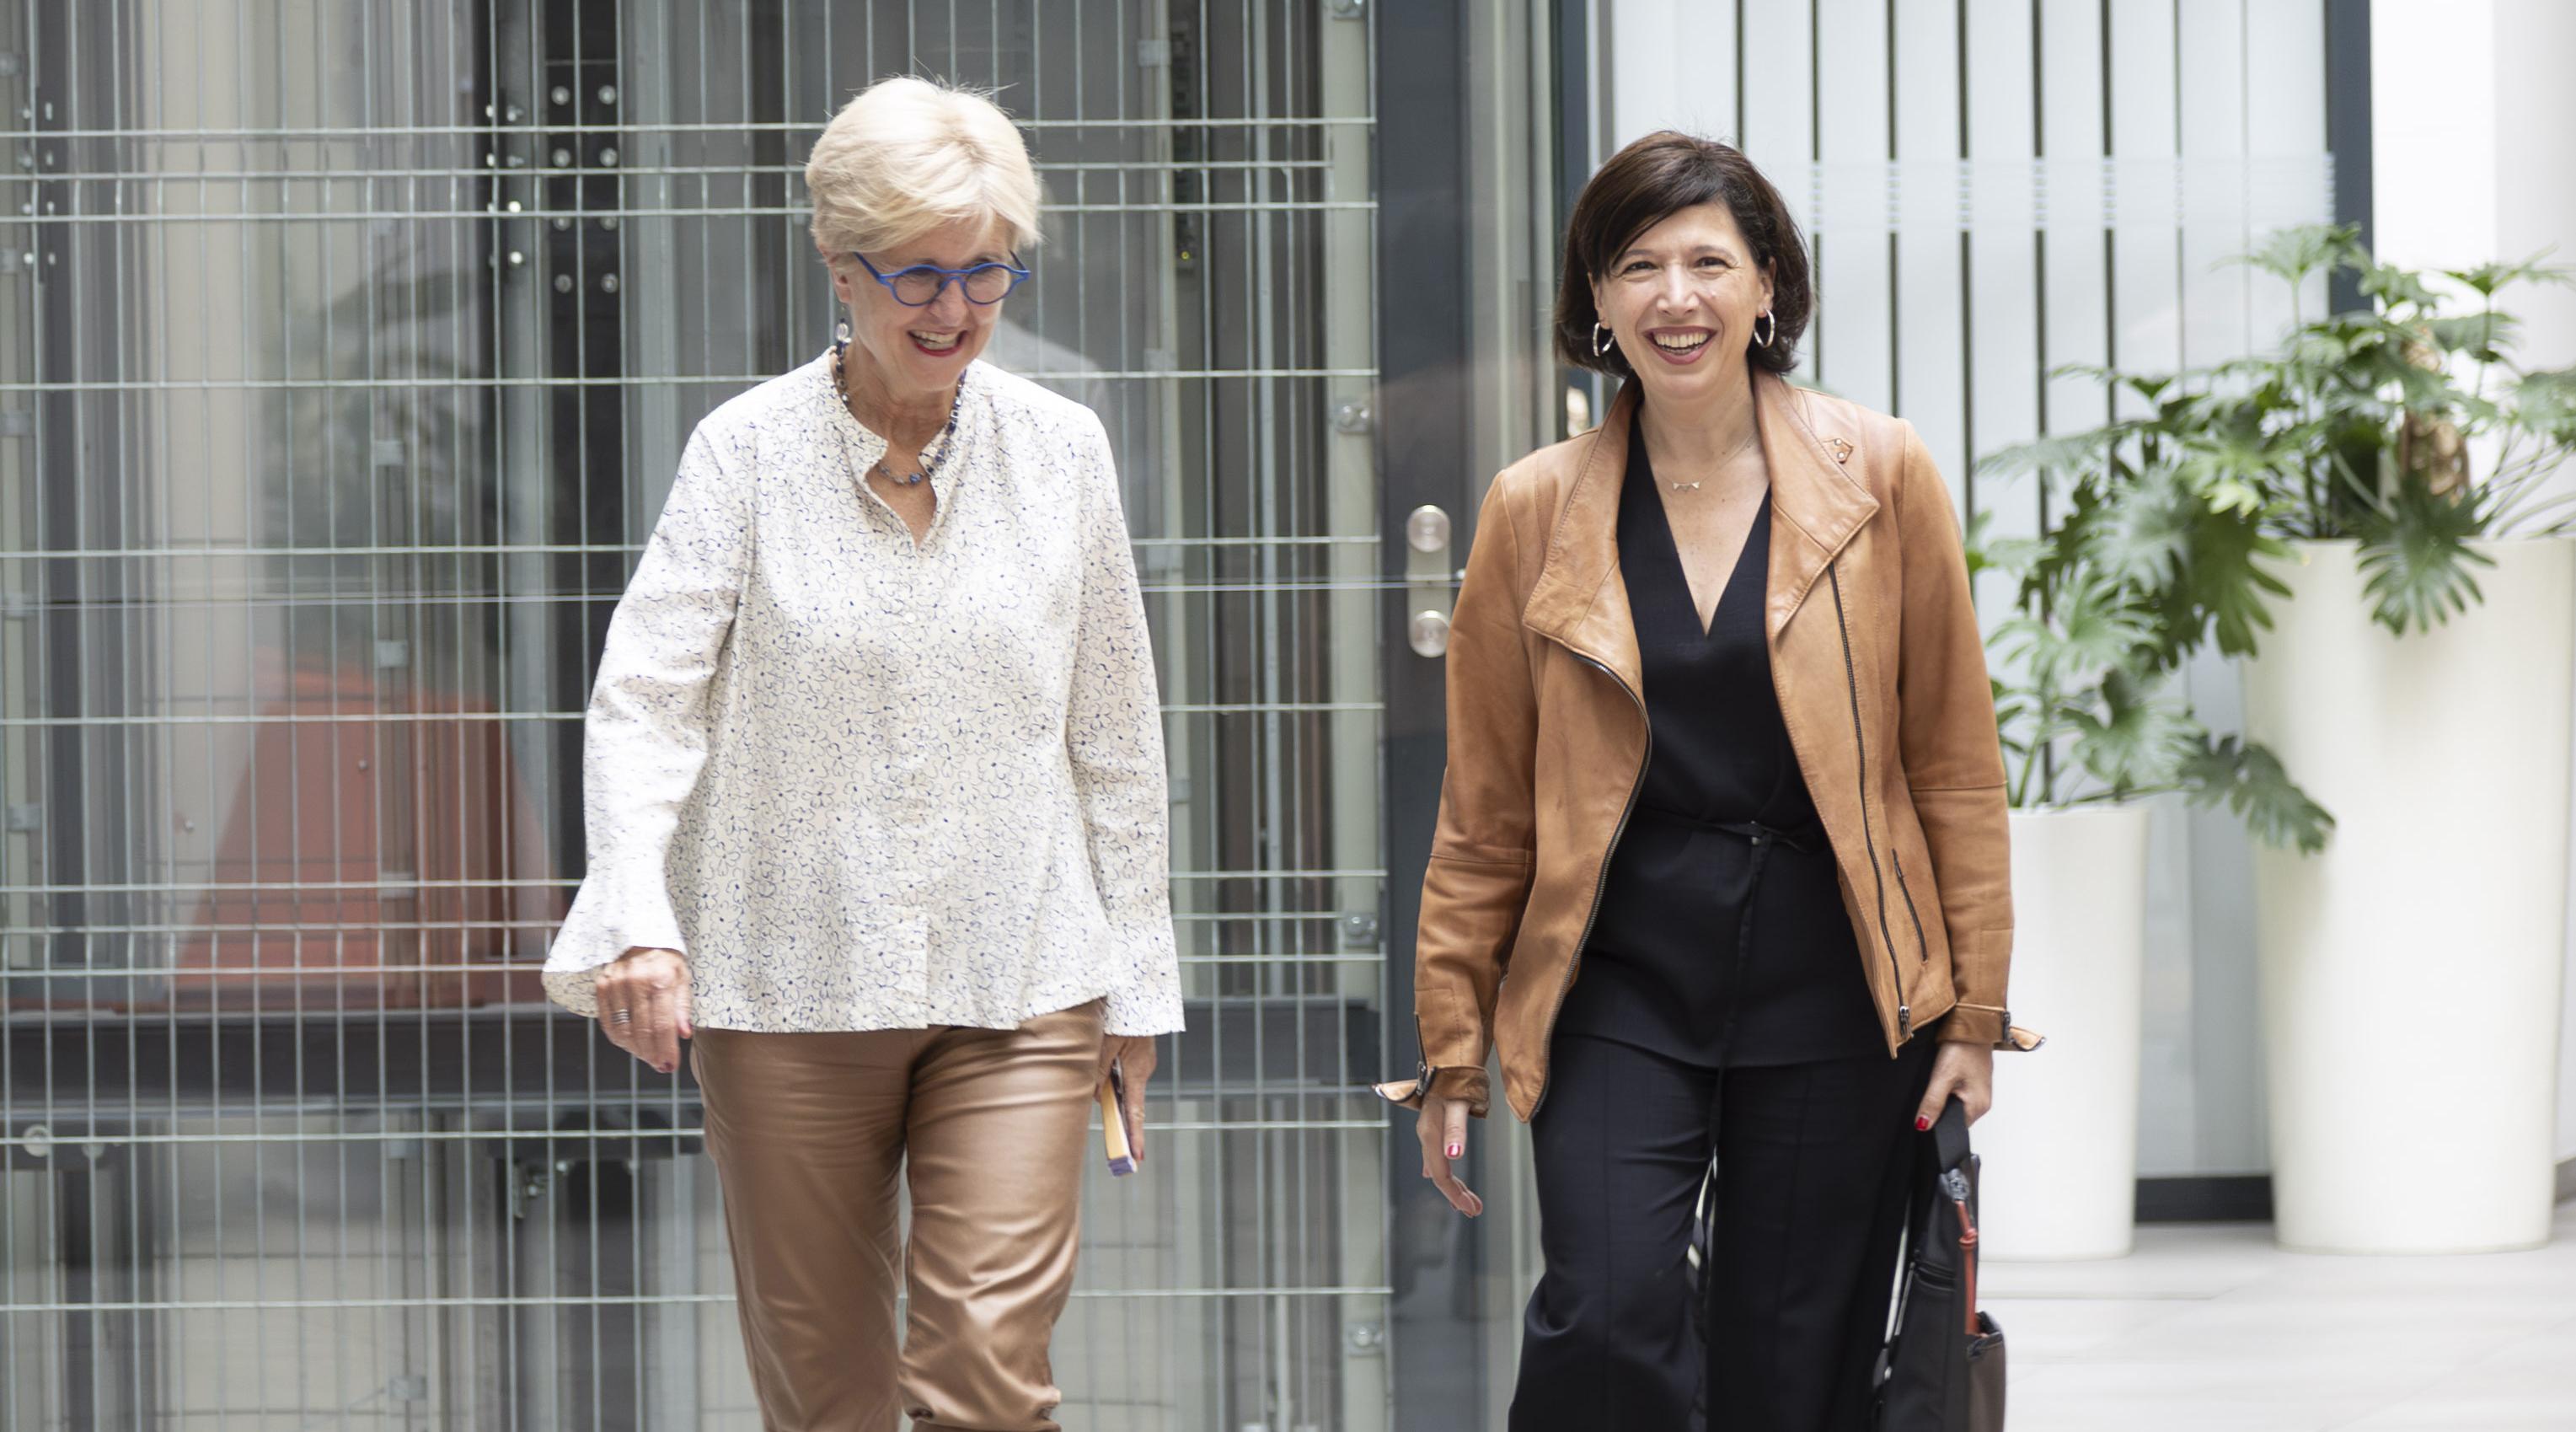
1942,1366
1942,1369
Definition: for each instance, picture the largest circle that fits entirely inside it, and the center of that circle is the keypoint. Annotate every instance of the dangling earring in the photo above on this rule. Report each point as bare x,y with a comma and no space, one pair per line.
1762,336
840,334
1602,339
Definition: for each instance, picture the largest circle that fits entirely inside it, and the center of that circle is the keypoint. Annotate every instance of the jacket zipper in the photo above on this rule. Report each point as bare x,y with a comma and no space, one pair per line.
1860,744
1575,960
1922,945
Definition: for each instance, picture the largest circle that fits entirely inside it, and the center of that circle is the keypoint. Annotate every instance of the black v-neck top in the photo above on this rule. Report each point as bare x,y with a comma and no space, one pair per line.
1721,938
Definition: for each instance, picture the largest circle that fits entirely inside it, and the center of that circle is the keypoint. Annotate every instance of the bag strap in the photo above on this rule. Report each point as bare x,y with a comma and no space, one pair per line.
1950,1134
1958,1175
1703,1237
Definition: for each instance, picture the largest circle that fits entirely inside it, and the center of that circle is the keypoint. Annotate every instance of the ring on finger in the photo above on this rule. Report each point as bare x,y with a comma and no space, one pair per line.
623,1016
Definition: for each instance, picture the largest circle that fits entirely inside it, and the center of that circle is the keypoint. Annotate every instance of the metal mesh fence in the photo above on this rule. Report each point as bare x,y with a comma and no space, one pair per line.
346,351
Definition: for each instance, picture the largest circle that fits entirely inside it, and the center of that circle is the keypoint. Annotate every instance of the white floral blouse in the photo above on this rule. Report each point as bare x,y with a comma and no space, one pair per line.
866,784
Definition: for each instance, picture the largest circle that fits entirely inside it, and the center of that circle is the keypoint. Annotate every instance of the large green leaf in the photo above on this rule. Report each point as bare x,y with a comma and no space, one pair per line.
2489,279
2145,528
2294,253
2416,567
2136,743
2063,453
2546,403
2485,337
2226,581
2249,780
2393,286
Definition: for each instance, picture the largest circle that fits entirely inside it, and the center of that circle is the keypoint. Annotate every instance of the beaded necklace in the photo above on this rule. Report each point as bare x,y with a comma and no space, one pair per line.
946,437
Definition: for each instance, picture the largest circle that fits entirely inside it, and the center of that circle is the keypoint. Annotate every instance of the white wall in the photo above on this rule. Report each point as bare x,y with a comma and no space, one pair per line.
2536,208
2475,140
2474,157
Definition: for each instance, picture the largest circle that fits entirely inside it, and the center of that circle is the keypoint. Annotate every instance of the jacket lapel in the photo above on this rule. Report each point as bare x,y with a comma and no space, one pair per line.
1581,599
1816,504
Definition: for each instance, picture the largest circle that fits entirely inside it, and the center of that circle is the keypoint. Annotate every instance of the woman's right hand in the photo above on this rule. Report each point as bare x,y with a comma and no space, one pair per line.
1442,1127
650,988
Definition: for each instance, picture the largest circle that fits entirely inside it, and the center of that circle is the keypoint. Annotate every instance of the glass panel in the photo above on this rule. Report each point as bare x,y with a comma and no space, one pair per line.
345,362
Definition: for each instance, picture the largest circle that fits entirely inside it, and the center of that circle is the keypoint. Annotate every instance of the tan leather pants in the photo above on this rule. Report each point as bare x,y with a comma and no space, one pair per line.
809,1133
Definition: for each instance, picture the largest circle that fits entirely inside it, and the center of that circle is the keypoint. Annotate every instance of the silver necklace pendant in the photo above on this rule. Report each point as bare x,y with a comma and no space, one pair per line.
947,434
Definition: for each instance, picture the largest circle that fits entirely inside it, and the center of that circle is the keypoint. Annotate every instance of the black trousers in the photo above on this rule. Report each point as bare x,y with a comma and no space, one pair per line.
1812,1187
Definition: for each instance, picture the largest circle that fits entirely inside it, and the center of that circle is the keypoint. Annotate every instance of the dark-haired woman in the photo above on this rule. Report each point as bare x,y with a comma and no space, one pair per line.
1721,863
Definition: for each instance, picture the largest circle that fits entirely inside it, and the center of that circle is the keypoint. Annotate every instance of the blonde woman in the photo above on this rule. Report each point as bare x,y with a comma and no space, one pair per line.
876,805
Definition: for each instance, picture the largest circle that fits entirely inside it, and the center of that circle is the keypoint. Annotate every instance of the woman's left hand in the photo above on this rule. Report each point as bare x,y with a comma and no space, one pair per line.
1967,1070
1134,1056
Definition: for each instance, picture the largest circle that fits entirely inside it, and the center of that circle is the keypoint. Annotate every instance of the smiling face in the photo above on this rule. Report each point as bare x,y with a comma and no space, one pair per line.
914,355
1681,301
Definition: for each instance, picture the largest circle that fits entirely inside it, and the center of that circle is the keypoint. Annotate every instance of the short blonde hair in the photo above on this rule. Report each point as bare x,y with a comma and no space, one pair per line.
909,155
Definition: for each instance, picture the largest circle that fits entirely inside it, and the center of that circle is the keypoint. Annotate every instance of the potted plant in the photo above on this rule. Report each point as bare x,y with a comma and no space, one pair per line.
2084,671
2364,514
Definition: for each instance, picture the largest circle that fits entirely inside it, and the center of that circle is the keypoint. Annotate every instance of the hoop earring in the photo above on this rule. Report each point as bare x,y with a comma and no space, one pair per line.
1602,339
1762,336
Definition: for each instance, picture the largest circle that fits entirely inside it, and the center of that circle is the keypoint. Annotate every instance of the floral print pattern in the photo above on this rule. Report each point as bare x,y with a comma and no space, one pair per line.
866,783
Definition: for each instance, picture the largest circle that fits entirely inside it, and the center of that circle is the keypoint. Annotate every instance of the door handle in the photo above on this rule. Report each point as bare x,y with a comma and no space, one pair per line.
1430,581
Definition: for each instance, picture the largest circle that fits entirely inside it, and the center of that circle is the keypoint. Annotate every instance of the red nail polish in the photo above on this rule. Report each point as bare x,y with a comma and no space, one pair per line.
1456,1149
1921,1123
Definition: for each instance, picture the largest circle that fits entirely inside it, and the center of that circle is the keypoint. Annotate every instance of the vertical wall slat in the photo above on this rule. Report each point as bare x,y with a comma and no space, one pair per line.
1930,311
2146,294
1682,52
1778,102
2212,71
2075,272
2210,116
2285,129
1855,284
2005,282
2138,59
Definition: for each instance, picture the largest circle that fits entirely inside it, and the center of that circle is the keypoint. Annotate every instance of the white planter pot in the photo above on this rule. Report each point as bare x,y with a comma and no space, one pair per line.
2410,974
2061,1146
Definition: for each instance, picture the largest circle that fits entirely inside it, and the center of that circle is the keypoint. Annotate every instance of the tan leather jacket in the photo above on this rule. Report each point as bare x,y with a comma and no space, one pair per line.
1882,684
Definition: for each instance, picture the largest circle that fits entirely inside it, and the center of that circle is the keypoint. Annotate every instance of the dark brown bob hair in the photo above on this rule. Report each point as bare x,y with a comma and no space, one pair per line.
1644,184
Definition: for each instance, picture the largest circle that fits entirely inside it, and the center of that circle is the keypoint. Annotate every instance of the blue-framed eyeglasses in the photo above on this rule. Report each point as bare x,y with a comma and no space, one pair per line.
919,286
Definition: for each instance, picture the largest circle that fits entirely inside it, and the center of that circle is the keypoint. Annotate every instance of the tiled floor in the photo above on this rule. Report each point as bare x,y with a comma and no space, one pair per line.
2209,1328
